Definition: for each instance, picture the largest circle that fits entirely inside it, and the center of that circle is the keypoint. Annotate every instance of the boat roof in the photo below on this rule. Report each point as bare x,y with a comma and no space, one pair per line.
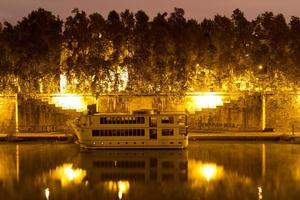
139,114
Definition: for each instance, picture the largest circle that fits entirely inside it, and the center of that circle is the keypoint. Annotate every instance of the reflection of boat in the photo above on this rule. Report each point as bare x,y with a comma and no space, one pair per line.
135,165
142,129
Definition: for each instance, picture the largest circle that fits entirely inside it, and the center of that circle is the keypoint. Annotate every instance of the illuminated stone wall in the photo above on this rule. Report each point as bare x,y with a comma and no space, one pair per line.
283,111
243,114
36,115
237,113
127,104
7,114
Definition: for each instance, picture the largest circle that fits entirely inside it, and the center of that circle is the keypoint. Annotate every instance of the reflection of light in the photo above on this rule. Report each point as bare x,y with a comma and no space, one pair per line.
67,174
205,171
260,197
121,187
47,193
8,167
207,100
209,171
69,101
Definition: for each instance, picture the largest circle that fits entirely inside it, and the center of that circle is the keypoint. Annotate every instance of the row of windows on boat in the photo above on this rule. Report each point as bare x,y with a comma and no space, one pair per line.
137,164
142,176
134,120
128,132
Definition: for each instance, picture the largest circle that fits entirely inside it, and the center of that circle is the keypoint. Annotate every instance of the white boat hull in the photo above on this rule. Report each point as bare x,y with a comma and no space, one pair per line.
143,144
131,131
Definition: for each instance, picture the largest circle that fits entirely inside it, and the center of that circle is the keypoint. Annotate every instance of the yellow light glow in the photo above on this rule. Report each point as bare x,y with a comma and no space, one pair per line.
121,187
209,171
47,193
205,171
260,197
69,101
67,174
207,100
260,67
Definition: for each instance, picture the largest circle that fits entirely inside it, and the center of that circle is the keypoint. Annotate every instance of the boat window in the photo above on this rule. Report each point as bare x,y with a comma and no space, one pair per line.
153,134
119,132
108,121
153,122
122,132
102,120
122,120
181,120
95,132
167,132
140,120
167,120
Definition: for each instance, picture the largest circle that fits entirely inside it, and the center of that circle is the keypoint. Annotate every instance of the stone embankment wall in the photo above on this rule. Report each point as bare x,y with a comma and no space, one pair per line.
127,104
38,116
283,112
243,114
7,114
237,113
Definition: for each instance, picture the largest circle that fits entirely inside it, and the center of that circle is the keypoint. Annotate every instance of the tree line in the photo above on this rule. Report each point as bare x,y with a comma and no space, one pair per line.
129,53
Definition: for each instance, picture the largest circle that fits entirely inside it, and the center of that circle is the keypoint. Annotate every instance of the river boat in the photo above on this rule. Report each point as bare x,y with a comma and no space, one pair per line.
140,129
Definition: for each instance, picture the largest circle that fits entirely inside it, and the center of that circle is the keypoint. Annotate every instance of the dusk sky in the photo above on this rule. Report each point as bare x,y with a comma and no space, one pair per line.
14,10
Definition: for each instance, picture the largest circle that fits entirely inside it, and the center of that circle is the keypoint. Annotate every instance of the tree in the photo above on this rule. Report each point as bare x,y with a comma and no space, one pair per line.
34,47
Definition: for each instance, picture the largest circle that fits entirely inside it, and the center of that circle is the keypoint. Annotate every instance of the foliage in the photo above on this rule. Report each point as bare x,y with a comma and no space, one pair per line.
128,53
32,50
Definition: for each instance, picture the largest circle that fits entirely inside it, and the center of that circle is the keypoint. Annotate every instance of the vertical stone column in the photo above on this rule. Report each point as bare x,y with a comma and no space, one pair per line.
17,114
263,112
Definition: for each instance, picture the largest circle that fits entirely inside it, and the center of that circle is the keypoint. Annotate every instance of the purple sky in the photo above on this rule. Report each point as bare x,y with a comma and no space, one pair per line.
14,10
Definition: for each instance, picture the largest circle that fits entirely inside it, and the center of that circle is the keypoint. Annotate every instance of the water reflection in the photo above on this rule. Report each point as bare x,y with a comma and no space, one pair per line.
67,174
121,187
204,171
47,193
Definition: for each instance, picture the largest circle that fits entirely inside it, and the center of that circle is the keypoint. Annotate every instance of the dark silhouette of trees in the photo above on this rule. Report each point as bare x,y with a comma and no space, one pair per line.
33,49
129,53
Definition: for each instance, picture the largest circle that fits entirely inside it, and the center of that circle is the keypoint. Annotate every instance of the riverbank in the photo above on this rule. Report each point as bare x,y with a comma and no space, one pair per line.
244,136
60,136
194,135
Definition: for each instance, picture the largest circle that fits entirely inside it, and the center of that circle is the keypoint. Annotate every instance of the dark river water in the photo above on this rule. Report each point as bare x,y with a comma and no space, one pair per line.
206,170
